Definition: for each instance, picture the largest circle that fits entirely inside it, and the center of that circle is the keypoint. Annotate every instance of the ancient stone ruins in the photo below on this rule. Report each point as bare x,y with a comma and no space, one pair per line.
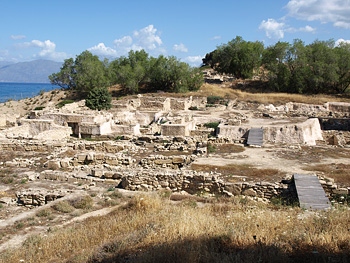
150,142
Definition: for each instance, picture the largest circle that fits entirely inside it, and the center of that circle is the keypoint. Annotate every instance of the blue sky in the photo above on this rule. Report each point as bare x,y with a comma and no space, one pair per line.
58,30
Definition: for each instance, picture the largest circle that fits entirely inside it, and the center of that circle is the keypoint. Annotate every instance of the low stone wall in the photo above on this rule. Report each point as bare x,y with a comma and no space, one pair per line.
34,197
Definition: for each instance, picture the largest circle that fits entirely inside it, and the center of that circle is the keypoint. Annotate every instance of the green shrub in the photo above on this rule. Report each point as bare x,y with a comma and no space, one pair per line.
213,125
98,99
193,108
211,148
39,108
214,99
64,102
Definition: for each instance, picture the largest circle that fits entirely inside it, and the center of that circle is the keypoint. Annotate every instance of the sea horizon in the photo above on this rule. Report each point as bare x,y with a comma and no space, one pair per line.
22,90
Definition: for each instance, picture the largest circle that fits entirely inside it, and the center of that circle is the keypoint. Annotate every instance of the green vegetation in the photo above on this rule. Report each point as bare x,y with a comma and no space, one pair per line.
39,108
89,76
99,99
320,67
64,102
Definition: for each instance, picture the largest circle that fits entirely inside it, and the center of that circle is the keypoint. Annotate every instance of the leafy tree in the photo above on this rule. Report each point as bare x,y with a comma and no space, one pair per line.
170,74
83,74
89,74
64,78
238,57
343,70
131,71
98,99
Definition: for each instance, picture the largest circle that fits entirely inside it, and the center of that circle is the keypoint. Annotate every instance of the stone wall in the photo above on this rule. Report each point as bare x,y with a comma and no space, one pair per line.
38,197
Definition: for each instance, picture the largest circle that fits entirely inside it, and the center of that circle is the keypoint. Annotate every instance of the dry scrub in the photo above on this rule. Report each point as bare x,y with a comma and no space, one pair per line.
151,228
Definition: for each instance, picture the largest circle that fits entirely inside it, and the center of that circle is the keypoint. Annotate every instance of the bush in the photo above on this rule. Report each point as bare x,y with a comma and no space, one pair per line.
99,99
39,108
64,102
84,202
43,213
213,125
64,207
193,108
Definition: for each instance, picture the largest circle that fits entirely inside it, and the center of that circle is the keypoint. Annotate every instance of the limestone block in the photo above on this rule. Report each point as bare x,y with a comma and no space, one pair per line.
97,172
81,157
54,164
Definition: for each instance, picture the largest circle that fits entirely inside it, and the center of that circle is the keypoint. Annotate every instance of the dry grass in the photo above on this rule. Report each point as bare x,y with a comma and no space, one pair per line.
241,170
227,91
340,172
152,229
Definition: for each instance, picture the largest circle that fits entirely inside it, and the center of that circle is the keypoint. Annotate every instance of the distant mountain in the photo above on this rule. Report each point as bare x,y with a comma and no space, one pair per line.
36,71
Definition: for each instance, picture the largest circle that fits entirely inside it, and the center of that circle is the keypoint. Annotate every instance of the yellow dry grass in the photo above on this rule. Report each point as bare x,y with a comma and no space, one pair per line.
151,228
228,91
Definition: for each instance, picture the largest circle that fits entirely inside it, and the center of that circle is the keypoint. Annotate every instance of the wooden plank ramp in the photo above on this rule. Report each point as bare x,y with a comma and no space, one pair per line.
310,192
255,137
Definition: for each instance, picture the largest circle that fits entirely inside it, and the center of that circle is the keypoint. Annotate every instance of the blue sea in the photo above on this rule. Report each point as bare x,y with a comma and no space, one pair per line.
18,91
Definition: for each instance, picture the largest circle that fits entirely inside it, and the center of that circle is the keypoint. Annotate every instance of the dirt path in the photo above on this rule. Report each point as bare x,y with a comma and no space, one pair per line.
257,158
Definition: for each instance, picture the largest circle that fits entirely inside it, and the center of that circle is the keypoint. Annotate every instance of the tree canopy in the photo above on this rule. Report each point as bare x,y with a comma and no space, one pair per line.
320,67
90,77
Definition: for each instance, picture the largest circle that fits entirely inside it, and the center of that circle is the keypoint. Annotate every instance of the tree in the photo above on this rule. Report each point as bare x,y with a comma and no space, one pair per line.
98,99
131,71
238,57
343,70
90,73
170,74
83,74
64,78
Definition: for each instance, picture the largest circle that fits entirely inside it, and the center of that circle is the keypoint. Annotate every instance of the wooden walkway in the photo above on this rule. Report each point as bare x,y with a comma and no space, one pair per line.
255,137
310,193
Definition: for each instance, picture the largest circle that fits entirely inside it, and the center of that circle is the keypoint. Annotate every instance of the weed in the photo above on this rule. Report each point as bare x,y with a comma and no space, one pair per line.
44,213
84,202
211,148
64,102
63,207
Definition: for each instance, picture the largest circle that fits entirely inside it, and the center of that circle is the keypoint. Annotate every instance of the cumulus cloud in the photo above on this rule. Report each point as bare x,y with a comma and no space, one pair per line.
340,40
180,47
146,38
273,28
194,60
17,37
47,49
325,11
101,50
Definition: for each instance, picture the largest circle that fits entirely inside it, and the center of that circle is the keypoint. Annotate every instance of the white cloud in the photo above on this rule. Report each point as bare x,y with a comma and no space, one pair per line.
216,37
307,29
272,28
337,43
180,47
17,37
194,60
325,11
47,49
146,38
101,50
